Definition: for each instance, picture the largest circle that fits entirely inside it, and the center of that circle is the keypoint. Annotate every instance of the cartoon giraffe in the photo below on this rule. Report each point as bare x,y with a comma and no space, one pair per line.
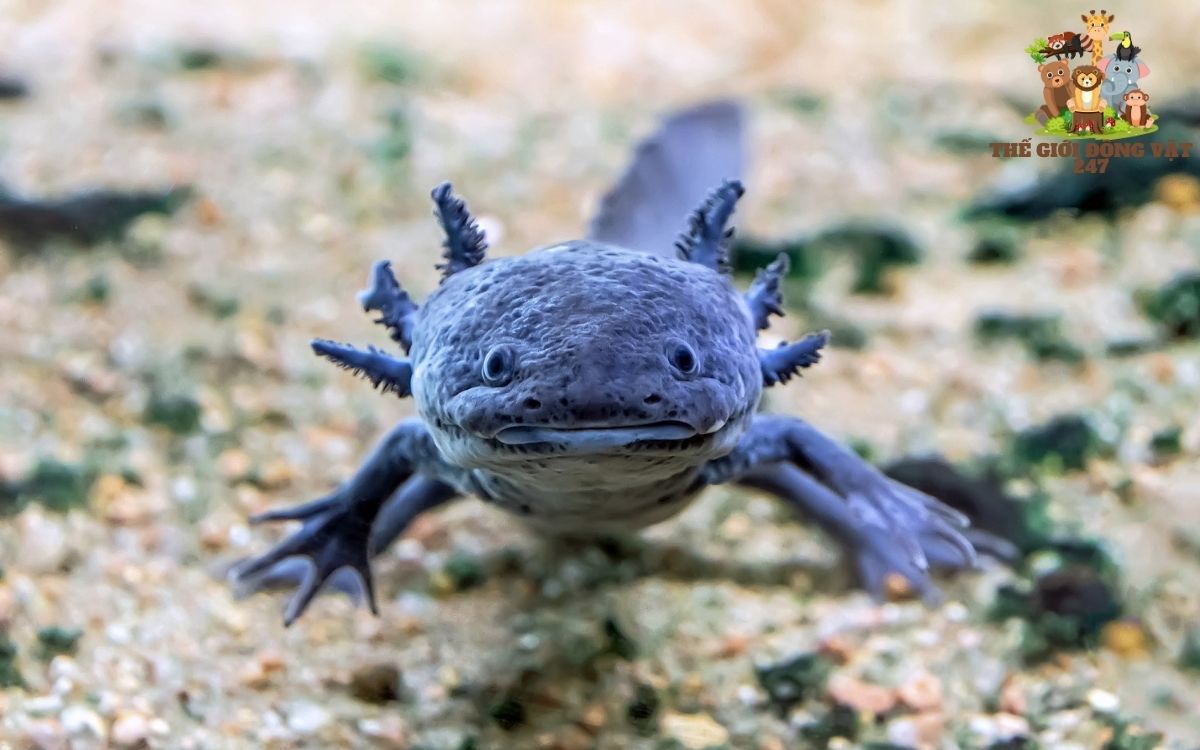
1097,28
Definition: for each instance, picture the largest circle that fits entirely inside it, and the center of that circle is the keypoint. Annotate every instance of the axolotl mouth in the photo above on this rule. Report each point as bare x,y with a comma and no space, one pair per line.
589,439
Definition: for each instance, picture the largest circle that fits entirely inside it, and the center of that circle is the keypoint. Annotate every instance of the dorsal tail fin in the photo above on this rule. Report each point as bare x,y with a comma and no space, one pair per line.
671,173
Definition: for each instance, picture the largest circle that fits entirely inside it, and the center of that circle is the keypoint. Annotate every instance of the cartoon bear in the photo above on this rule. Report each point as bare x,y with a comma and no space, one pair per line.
1057,89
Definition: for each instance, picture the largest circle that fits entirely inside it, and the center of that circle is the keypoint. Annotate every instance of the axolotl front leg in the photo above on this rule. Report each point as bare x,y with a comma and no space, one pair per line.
337,530
888,526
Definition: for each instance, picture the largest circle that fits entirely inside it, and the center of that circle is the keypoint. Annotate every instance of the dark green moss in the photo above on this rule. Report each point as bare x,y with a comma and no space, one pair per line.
642,711
876,249
199,58
749,254
57,485
178,412
804,102
509,713
1014,743
96,290
11,501
465,571
618,642
839,721
1189,654
219,304
794,680
10,674
990,250
1167,442
1065,443
395,146
1175,307
862,447
1041,335
388,63
1130,347
1065,609
55,640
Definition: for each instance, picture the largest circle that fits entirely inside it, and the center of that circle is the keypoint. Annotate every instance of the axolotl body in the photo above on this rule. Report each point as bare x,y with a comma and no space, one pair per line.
590,387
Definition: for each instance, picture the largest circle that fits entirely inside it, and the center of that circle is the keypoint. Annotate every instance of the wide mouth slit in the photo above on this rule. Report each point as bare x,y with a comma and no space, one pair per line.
597,437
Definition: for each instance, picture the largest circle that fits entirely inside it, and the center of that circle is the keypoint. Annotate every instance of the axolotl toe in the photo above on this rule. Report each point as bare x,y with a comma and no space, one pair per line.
592,386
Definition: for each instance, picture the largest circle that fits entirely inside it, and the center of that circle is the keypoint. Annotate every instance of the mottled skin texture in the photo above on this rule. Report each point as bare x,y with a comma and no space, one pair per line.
591,339
587,389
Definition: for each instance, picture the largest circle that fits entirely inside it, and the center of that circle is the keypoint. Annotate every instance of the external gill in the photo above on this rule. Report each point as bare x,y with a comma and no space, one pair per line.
384,371
780,364
396,309
706,240
465,245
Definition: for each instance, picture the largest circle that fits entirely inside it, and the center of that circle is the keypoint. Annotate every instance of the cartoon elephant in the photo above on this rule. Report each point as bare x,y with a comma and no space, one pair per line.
1120,76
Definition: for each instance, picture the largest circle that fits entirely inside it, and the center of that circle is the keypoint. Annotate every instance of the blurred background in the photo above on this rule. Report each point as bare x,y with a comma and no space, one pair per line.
190,192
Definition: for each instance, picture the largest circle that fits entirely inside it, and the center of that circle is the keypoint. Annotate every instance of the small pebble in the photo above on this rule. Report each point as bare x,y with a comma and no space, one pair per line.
43,705
388,730
861,696
1125,638
45,734
81,722
130,730
376,683
594,718
1102,701
304,717
694,731
923,692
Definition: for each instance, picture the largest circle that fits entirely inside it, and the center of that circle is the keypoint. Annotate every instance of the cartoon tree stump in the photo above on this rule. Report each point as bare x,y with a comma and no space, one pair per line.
1082,121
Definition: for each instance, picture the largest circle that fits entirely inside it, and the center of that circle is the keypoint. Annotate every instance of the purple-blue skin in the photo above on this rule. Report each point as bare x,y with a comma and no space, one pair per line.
590,388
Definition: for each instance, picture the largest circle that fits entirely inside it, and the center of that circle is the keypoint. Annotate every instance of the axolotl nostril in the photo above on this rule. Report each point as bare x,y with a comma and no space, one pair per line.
600,385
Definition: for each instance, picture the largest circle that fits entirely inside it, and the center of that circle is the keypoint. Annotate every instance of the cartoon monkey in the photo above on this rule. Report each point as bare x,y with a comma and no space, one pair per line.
1087,79
1137,113
1057,89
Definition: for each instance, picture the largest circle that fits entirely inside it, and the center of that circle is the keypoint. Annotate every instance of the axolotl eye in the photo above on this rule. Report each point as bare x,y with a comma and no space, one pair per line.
683,358
499,364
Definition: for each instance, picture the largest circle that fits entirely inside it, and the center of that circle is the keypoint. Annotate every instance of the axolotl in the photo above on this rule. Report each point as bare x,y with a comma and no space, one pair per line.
599,385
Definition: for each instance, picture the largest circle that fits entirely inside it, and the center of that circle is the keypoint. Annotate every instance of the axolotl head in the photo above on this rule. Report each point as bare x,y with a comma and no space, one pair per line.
585,351
582,362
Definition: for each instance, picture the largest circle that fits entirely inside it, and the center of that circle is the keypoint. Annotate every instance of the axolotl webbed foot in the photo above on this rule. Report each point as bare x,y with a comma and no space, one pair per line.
336,531
333,538
888,527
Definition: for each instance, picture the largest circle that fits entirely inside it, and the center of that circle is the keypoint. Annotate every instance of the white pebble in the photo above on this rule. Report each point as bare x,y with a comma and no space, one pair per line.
747,695
306,718
83,722
903,732
130,730
44,704
1103,702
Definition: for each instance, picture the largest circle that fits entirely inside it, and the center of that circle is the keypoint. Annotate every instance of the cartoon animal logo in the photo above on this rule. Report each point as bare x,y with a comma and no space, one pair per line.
1137,113
1067,43
1086,79
1057,89
1097,28
1126,50
1090,100
1119,77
